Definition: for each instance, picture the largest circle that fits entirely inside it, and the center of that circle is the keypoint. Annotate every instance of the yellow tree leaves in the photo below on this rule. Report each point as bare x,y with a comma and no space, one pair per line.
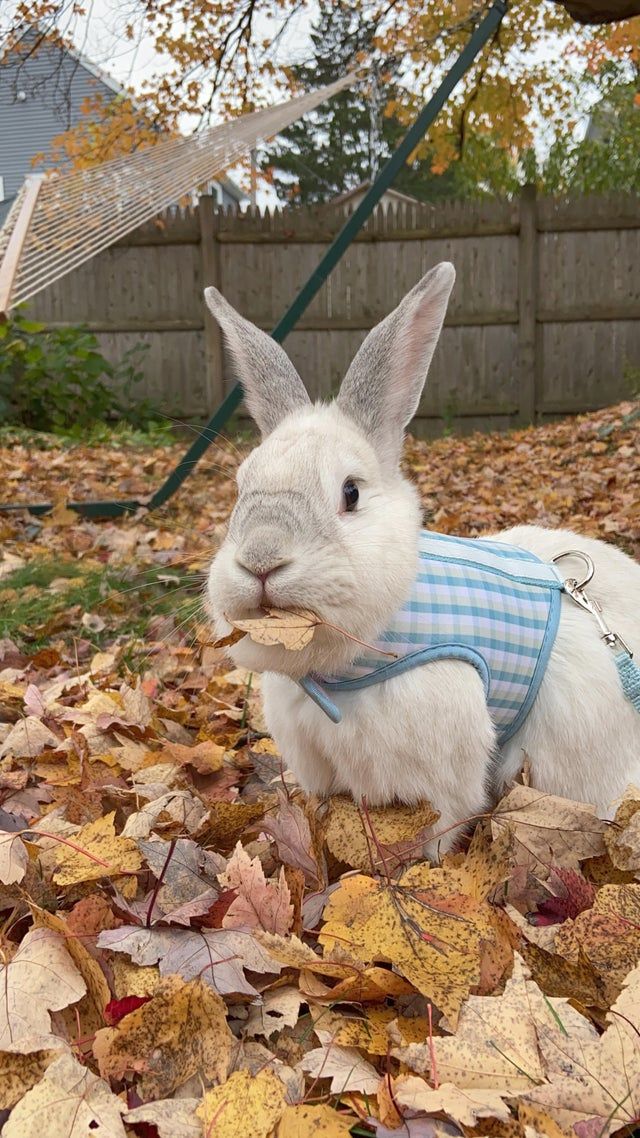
377,838
245,1107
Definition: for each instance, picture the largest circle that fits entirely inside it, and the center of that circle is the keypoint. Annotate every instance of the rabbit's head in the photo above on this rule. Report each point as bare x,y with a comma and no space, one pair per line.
325,520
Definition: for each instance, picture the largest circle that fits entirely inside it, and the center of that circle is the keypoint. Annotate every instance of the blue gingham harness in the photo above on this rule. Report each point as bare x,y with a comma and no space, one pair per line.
491,605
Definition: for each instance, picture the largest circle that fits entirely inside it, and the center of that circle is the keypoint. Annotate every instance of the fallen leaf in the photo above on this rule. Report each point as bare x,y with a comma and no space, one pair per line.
173,1118
607,936
290,829
28,738
245,1107
217,955
622,837
432,936
280,1008
259,903
97,853
180,1032
383,837
41,978
305,1121
546,830
345,1067
19,1073
463,1106
68,1102
13,858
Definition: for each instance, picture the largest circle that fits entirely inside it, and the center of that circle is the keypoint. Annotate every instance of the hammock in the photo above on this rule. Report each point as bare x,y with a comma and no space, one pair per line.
59,221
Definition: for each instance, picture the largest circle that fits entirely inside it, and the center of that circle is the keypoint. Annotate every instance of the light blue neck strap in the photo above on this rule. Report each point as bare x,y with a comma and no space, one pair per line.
629,673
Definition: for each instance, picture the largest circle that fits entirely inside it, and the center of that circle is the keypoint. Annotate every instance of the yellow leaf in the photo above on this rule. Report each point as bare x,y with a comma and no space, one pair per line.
246,1106
544,829
182,1031
464,1107
313,1122
363,841
432,935
293,629
19,1073
68,1102
97,852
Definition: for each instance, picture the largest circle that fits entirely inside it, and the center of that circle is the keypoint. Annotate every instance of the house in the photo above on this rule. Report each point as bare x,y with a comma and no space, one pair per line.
352,198
43,87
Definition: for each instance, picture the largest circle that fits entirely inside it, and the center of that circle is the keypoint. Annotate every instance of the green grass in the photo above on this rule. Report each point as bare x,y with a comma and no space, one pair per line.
154,434
34,615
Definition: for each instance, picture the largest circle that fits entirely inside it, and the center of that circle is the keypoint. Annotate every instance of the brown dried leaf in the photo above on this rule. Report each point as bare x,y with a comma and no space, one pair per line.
41,978
546,830
259,904
345,1067
464,1107
292,629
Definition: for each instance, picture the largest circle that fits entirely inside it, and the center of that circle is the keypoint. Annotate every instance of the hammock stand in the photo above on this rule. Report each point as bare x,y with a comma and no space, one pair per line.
19,239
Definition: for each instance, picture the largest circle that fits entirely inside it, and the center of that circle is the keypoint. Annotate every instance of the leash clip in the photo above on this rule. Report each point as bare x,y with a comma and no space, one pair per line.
576,588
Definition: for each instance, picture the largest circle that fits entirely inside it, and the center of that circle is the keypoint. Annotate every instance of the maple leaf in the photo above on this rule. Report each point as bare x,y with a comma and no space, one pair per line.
548,830
187,880
87,1013
607,936
290,829
28,738
217,955
432,935
595,1082
18,1073
41,978
380,838
572,894
97,853
495,1047
68,1102
245,1107
303,1121
463,1106
181,1031
622,837
280,1008
345,1066
172,1118
13,858
259,903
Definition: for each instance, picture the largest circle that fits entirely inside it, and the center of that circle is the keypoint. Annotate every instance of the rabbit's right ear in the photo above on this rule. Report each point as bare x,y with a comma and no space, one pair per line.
382,388
272,387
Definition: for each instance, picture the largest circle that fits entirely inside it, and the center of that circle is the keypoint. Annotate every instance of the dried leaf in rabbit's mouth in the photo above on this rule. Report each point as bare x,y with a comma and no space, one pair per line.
291,628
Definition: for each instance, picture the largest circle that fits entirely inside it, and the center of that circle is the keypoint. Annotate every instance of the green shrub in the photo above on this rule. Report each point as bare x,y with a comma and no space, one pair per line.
56,379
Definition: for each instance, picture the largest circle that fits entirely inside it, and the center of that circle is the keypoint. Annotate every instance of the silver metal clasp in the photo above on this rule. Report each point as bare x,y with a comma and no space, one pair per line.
576,588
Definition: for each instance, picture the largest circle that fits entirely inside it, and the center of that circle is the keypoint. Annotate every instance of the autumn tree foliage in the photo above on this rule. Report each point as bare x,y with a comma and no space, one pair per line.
221,58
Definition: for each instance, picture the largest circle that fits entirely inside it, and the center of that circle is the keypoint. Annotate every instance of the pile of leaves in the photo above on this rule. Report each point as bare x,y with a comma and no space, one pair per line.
191,948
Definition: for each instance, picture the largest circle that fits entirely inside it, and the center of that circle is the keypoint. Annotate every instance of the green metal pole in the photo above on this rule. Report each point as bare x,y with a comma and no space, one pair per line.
341,242
339,245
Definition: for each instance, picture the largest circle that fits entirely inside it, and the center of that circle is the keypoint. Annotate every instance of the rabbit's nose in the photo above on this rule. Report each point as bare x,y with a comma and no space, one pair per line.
261,569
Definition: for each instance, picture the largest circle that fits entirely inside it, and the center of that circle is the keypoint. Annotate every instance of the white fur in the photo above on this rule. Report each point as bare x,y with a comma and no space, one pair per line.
426,734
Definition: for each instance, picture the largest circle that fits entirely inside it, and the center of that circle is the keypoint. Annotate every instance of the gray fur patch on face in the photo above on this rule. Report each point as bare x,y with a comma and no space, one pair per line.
271,384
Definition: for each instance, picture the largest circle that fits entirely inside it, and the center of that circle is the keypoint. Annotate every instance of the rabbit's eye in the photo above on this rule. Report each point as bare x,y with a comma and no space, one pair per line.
350,494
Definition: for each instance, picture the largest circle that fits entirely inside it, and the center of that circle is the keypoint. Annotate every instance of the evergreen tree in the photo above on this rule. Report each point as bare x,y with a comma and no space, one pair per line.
345,141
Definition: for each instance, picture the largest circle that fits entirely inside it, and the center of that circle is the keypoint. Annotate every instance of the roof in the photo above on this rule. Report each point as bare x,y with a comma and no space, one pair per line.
397,195
75,54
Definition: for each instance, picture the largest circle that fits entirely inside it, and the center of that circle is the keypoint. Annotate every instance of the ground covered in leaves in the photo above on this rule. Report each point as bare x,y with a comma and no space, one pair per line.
188,947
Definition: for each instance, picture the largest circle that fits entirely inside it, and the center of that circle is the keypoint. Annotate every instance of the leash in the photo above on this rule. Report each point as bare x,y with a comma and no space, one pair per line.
628,670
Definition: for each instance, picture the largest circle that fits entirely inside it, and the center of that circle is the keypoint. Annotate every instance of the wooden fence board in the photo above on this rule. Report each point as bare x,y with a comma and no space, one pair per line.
544,317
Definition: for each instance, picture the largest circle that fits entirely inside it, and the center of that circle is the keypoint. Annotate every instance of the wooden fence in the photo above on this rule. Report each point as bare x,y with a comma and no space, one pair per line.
544,318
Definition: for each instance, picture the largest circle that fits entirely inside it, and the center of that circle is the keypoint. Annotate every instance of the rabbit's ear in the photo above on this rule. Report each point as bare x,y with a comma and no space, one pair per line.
382,388
271,384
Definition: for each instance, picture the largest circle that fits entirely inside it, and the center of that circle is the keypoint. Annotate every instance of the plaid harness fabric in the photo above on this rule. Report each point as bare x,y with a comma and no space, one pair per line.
491,605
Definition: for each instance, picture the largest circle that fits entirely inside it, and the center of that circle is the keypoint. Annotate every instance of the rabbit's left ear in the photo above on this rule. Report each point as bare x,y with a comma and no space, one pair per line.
382,388
271,384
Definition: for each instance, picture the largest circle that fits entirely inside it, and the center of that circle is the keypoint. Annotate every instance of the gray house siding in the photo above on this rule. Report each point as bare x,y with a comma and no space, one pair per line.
41,95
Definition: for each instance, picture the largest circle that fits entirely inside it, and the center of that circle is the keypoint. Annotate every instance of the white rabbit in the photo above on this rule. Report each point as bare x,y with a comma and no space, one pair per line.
298,539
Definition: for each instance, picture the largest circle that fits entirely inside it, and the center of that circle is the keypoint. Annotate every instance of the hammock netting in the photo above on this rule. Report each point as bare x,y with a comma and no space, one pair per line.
65,219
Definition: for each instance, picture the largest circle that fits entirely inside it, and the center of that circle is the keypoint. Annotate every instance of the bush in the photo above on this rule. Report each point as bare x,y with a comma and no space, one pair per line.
56,379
